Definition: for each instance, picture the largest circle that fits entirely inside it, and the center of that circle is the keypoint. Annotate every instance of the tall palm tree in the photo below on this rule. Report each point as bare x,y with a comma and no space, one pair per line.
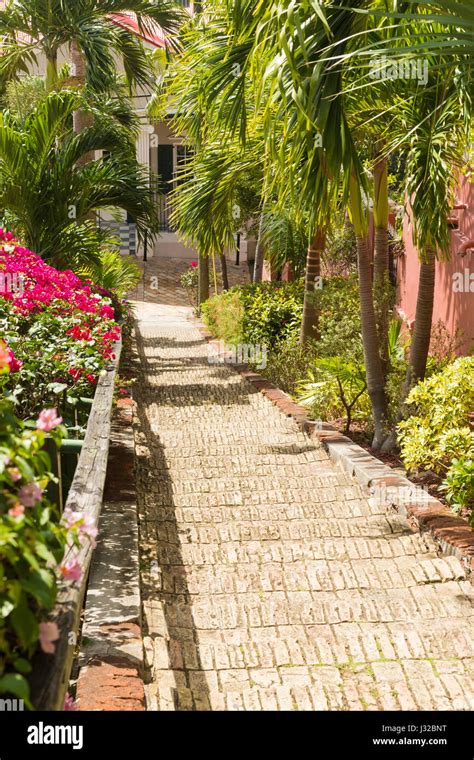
437,121
30,28
48,197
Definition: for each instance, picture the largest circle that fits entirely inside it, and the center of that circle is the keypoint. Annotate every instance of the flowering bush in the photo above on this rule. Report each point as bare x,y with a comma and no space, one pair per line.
56,337
33,541
58,330
190,281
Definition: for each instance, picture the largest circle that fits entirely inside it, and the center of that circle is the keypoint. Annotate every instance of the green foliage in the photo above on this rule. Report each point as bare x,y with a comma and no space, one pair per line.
50,199
438,430
49,25
223,314
340,254
272,312
31,546
190,281
336,387
340,325
113,272
459,485
287,365
284,240
259,314
24,95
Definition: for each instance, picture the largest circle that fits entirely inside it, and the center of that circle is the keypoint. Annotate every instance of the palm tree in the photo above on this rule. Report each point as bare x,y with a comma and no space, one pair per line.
48,197
436,119
30,28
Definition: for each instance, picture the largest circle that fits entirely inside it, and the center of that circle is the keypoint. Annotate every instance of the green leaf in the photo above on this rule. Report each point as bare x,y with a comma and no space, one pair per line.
25,625
16,684
22,666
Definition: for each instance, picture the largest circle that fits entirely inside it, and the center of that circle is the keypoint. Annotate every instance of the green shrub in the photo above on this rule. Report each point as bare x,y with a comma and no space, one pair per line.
190,282
339,321
336,388
272,312
438,432
223,315
459,485
289,364
258,314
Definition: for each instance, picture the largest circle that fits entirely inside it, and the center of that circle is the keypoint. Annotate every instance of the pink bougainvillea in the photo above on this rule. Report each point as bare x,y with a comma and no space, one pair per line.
63,295
43,285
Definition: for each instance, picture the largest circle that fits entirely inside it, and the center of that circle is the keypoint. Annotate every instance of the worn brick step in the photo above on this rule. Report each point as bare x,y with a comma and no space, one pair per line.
287,551
206,460
291,653
316,575
331,489
341,644
249,498
218,514
219,611
297,530
381,686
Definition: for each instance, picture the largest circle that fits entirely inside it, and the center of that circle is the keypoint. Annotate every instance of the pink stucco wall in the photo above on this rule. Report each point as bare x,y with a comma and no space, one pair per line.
455,309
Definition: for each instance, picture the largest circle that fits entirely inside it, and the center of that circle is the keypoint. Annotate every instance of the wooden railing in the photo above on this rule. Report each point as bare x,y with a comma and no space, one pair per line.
51,673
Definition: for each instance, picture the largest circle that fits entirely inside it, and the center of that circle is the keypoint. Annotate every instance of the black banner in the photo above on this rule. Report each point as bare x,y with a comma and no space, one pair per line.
81,734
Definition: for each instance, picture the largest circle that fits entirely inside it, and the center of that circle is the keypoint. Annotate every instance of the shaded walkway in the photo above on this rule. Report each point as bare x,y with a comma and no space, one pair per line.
269,581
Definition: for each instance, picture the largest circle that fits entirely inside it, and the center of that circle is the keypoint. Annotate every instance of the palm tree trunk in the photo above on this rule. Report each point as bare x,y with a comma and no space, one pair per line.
423,321
259,254
81,119
370,337
51,72
381,257
203,278
309,325
225,274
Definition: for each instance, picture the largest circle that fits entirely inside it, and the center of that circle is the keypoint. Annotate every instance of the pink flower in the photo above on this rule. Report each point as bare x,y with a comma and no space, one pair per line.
14,473
107,312
69,704
15,364
82,523
48,632
30,494
17,511
194,264
71,570
91,379
48,420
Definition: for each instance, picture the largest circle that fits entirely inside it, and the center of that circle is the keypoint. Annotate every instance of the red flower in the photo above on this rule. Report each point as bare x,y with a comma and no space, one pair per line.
75,373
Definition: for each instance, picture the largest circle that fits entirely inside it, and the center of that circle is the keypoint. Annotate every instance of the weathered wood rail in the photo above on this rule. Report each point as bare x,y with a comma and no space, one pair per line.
51,673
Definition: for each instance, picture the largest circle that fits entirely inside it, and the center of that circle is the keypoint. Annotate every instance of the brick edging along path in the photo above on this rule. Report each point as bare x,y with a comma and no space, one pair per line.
452,534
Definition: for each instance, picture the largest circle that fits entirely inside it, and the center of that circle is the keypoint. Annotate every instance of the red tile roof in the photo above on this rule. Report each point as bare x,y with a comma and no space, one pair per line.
154,35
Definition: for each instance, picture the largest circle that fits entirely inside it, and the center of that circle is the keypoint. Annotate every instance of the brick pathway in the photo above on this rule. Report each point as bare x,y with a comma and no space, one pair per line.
269,581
